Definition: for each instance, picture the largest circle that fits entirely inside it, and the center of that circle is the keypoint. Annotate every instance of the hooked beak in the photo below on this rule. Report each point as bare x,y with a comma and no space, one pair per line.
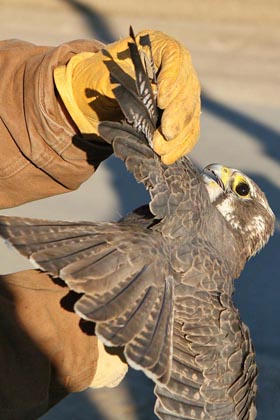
216,178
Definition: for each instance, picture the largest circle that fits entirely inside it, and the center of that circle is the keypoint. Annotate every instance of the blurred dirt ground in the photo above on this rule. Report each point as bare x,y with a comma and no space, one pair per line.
235,49
234,43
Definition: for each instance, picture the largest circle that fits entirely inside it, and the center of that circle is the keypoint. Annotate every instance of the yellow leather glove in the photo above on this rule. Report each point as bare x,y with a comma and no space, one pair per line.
110,369
85,88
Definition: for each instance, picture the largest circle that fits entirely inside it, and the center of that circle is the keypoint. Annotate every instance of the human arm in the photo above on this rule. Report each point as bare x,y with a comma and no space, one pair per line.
42,151
47,149
46,351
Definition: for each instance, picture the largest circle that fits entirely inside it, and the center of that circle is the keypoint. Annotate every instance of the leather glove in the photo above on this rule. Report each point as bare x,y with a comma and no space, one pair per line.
111,368
85,88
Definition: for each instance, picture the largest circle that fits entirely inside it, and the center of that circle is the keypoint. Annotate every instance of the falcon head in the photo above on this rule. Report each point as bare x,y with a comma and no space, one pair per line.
242,203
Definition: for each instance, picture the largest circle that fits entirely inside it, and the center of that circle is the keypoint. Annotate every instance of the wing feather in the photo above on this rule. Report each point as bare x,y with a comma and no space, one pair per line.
213,369
122,271
170,187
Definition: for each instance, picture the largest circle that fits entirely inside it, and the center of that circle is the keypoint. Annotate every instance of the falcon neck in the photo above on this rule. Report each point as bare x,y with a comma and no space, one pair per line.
225,240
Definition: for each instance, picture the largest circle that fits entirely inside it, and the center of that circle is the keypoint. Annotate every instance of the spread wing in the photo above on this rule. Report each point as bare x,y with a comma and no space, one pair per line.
123,272
214,370
174,189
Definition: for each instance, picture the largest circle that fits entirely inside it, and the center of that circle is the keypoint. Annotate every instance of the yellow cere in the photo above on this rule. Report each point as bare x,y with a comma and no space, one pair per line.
225,175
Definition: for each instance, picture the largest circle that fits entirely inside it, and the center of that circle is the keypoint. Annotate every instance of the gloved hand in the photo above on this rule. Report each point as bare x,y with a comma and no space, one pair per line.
111,368
85,88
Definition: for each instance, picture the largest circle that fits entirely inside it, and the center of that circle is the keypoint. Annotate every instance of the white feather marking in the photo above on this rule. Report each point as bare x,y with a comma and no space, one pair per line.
226,208
213,189
258,223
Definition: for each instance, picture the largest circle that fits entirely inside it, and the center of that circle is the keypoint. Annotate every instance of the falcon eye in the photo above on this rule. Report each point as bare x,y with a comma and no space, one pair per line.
242,189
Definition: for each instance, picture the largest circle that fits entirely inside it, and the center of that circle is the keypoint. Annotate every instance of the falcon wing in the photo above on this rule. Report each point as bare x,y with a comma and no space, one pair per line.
123,272
214,371
174,189
122,269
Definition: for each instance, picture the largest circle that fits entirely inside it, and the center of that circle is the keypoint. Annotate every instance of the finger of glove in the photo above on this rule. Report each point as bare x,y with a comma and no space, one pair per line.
175,66
176,154
181,110
174,149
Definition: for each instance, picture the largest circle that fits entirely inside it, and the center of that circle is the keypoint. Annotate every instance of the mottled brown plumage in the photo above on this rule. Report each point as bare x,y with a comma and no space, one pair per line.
160,281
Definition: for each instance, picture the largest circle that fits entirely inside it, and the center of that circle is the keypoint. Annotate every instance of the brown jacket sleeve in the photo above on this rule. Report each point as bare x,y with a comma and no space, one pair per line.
41,150
46,351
